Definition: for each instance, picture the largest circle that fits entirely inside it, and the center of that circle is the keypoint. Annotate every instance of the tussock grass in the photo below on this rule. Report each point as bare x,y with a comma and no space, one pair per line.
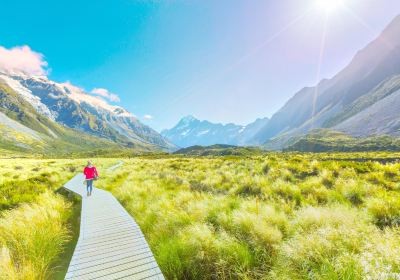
32,236
278,216
34,222
275,216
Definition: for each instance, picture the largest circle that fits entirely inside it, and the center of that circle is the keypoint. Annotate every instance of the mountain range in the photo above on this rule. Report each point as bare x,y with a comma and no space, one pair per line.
37,114
366,88
190,131
361,100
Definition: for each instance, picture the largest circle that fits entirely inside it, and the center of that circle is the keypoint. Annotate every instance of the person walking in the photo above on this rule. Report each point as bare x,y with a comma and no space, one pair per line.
91,174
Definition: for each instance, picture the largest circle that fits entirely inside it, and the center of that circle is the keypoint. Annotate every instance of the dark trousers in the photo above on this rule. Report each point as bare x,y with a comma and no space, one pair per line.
89,185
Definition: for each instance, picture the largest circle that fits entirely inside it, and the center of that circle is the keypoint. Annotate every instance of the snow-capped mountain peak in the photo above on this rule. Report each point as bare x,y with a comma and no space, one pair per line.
190,131
80,96
71,106
35,101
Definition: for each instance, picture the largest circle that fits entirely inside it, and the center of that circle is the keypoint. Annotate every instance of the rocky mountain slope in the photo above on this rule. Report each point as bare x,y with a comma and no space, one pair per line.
367,87
23,129
382,116
190,131
59,110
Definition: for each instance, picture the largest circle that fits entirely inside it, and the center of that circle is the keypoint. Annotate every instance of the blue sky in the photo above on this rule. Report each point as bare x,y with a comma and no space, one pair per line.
221,60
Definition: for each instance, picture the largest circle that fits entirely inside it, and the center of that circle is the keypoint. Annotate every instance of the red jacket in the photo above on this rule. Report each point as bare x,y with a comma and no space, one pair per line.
90,172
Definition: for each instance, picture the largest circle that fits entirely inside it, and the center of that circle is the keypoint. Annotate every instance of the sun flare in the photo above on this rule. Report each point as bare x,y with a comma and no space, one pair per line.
329,6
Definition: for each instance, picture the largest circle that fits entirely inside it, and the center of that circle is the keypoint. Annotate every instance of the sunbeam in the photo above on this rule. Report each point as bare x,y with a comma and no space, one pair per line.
210,81
367,26
319,66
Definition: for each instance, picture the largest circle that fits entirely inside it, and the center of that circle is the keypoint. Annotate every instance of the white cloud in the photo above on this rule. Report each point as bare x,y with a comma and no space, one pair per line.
22,59
148,117
71,87
106,94
79,95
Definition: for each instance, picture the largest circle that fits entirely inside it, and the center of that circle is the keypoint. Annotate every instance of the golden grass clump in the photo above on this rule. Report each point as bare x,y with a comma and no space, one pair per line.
32,236
278,216
273,216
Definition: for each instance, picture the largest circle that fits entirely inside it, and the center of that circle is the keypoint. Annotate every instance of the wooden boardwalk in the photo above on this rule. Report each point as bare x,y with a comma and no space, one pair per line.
111,244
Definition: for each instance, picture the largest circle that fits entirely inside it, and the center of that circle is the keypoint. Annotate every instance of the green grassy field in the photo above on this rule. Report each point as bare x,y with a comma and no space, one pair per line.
279,216
271,216
38,225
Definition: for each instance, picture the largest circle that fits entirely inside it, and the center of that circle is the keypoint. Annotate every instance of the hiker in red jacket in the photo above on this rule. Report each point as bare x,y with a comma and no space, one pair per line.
91,174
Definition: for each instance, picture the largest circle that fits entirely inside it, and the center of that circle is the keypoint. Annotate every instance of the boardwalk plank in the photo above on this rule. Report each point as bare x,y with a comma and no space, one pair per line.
111,244
108,257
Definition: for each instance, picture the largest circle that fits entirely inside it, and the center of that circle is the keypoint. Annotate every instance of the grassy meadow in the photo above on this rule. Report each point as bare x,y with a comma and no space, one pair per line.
38,225
276,216
269,216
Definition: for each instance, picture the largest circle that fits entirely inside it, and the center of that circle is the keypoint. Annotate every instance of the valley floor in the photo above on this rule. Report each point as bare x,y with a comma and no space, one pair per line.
273,216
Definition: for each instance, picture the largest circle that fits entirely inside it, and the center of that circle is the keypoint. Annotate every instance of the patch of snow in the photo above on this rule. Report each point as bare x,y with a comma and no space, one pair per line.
186,122
29,97
188,119
203,132
242,129
186,132
80,96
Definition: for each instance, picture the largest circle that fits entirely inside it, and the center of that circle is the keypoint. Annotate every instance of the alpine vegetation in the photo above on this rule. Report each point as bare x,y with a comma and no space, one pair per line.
279,216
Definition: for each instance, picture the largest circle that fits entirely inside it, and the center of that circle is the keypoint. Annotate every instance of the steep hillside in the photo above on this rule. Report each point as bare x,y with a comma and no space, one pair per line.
71,107
249,131
386,88
370,77
23,129
383,117
191,131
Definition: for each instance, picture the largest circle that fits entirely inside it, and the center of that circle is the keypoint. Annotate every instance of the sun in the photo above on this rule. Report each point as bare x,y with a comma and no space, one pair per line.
329,6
